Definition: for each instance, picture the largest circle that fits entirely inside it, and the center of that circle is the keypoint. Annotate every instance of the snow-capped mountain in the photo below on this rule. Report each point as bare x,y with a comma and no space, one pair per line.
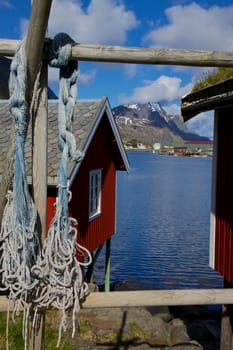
150,123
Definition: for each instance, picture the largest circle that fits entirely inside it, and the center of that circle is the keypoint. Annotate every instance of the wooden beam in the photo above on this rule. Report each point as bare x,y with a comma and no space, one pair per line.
175,297
90,271
208,98
34,48
8,47
139,55
190,110
39,185
35,39
226,328
107,266
159,298
39,151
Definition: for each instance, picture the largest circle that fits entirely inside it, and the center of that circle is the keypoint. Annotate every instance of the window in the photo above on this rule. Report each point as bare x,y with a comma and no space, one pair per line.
95,192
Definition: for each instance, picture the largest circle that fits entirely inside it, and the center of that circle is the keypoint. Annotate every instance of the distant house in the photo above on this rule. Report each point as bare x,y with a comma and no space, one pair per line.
199,147
181,150
218,97
141,146
93,181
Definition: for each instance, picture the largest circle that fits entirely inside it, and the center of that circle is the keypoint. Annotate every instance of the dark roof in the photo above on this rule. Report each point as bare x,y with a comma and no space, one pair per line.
5,64
198,142
4,74
212,97
87,115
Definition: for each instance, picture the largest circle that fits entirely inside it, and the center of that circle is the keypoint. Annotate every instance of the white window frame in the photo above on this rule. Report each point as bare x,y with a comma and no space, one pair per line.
95,187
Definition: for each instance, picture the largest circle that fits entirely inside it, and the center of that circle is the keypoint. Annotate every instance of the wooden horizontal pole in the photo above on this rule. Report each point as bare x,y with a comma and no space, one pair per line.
139,55
151,298
8,47
159,298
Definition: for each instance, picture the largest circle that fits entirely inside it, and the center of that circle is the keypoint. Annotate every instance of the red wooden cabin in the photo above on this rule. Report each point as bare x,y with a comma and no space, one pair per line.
93,181
219,97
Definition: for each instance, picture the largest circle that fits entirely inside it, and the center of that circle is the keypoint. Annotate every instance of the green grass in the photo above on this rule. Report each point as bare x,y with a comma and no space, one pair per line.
85,336
15,338
218,75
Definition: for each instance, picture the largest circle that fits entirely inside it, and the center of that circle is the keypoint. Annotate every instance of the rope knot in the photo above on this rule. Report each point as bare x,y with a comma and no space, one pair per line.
60,50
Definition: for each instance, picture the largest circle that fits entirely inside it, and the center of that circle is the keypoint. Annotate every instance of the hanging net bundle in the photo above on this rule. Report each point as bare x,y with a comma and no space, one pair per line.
51,276
19,240
59,271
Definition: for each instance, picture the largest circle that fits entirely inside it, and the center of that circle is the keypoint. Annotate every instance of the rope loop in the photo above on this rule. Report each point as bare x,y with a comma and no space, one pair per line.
60,50
17,88
59,55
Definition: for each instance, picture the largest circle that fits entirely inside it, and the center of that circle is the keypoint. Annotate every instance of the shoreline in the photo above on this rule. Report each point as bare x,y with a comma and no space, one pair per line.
142,328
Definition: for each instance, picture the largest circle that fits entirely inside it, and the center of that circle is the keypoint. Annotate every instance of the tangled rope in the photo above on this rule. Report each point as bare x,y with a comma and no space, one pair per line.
59,271
19,242
51,277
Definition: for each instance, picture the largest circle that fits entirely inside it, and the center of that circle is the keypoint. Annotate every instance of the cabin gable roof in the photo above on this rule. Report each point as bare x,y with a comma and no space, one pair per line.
87,116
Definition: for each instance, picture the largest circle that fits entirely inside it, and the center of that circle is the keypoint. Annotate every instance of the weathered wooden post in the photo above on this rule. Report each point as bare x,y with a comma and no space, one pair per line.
37,27
107,266
39,183
226,341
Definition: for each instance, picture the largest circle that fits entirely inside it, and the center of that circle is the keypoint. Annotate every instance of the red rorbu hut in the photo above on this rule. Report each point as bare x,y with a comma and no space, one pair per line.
218,97
93,180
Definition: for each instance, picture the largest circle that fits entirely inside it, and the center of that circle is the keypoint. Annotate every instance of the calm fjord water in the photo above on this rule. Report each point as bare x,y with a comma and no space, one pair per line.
163,220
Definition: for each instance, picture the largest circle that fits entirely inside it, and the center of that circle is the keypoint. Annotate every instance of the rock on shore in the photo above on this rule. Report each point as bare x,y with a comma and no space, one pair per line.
146,328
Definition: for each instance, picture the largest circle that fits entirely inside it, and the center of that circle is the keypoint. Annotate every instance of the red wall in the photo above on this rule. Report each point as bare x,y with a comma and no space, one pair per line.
94,233
224,196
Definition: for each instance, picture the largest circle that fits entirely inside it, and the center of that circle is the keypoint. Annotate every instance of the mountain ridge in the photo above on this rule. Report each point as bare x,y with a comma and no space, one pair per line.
149,123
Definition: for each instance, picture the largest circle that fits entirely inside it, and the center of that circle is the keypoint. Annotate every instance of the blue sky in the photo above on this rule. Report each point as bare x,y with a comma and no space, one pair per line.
181,24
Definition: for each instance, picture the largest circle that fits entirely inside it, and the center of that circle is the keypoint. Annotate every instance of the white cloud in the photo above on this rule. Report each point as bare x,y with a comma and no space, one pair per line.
102,22
130,70
163,89
195,27
86,78
23,27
